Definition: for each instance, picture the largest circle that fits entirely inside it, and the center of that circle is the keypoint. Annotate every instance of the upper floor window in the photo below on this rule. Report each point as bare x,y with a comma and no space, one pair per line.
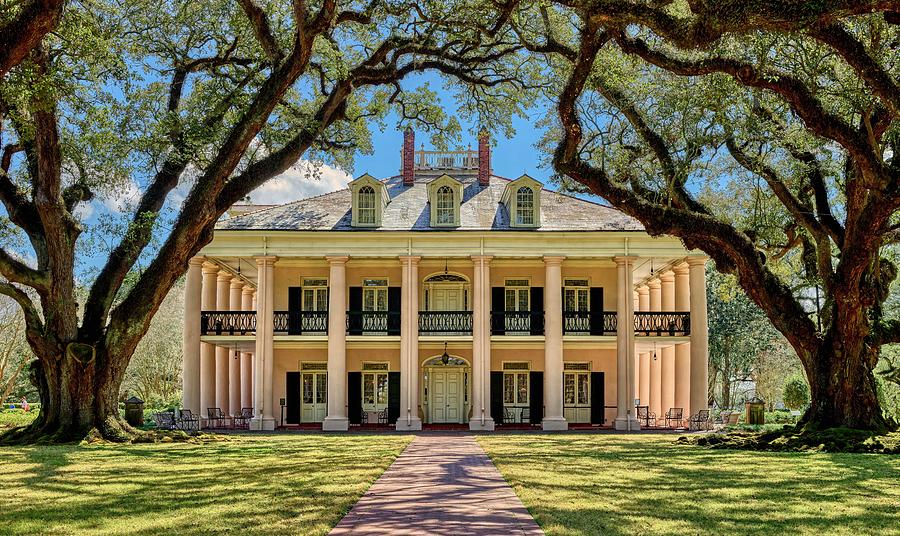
445,206
525,206
366,206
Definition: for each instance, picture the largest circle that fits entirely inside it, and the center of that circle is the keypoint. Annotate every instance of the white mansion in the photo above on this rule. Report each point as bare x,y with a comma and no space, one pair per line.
445,294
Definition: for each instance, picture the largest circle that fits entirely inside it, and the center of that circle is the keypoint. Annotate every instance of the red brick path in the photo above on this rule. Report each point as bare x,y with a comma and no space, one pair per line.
441,484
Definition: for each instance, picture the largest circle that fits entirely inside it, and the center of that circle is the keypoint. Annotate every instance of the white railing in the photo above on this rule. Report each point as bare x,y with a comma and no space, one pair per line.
446,159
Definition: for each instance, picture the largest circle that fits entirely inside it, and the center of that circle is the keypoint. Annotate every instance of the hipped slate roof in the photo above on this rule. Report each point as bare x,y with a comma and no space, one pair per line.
409,211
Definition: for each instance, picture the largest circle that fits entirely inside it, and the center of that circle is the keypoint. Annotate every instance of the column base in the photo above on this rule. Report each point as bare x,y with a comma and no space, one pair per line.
554,424
262,424
475,425
335,424
414,424
627,423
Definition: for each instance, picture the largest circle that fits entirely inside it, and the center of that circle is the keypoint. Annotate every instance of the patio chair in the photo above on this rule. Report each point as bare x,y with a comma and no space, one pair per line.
645,417
509,415
675,416
216,418
164,420
383,416
526,415
187,421
699,420
242,419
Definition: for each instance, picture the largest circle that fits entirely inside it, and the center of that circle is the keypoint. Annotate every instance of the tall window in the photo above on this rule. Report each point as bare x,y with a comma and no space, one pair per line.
525,206
366,205
445,206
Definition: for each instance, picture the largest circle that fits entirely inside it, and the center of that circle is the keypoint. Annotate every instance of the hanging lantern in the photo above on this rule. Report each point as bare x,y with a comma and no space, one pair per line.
445,357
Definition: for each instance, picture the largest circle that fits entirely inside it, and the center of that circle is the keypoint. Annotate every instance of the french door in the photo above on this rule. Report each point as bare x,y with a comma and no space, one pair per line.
374,391
313,396
577,396
517,300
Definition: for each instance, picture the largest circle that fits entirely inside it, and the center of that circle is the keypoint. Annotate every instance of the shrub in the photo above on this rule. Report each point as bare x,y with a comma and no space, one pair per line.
796,393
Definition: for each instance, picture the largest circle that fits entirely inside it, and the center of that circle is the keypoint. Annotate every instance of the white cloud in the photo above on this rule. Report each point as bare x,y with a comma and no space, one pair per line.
125,197
303,179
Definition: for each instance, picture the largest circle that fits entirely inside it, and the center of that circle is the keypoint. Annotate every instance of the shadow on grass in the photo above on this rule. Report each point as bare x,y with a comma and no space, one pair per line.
261,485
642,484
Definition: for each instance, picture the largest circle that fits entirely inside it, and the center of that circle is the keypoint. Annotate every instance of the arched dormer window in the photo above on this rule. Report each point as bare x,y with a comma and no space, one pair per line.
446,207
522,198
525,206
366,206
444,197
369,199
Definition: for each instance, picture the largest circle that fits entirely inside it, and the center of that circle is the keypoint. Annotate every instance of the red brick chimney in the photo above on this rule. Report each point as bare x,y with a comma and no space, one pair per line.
484,158
409,157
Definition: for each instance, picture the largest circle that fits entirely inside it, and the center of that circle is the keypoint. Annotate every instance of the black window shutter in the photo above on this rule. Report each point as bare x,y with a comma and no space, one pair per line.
498,305
497,396
355,301
393,397
537,310
354,397
295,302
536,400
598,398
596,316
292,398
393,310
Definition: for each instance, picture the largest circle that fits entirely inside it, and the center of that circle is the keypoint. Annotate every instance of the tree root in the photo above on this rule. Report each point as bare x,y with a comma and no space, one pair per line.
798,439
110,430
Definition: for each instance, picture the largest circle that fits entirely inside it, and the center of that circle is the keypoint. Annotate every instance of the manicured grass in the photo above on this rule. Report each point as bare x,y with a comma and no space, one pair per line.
10,418
277,484
648,484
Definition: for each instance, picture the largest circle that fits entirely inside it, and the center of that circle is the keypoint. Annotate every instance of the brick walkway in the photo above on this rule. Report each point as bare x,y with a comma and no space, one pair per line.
441,484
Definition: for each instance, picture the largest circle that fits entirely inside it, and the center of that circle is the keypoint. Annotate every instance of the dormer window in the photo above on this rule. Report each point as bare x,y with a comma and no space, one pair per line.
444,196
525,206
446,206
522,198
369,199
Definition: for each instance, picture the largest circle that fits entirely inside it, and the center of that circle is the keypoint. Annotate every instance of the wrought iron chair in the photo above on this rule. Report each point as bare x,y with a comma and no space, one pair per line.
526,415
383,416
509,415
645,417
217,418
187,421
675,416
700,420
165,420
242,419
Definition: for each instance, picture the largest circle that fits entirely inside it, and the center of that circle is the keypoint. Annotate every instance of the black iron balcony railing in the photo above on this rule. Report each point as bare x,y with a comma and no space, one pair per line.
300,322
227,322
662,323
590,322
444,322
373,322
517,322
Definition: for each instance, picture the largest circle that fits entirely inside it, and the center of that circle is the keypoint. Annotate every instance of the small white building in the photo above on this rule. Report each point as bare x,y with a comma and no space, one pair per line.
444,295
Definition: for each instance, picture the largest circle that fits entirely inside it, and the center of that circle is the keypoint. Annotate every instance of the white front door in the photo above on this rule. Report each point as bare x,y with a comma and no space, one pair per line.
447,299
445,396
313,396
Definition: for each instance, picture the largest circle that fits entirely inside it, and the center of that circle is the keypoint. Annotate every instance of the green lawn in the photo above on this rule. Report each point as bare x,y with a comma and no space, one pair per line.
647,484
278,484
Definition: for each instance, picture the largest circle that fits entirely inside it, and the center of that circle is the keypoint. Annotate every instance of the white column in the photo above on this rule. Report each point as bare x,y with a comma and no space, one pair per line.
625,417
247,357
253,364
481,344
263,376
208,351
643,293
336,420
190,365
667,355
234,357
699,335
655,398
553,346
682,351
409,345
223,283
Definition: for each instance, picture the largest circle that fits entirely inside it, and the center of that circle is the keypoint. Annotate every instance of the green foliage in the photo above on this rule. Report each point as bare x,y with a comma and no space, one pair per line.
796,393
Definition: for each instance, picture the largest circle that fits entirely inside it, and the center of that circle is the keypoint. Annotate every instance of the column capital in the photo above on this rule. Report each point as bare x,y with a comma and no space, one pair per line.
643,290
667,277
249,290
409,259
237,283
484,258
337,259
625,260
681,268
265,260
197,260
654,283
224,276
554,259
696,260
210,268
